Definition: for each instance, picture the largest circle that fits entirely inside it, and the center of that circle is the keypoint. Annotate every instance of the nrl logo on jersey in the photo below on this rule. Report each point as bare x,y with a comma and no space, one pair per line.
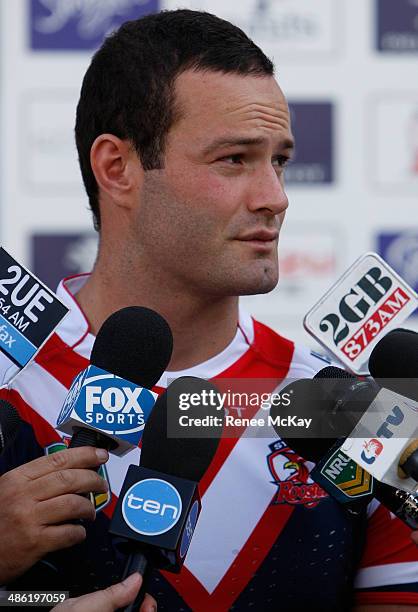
291,475
101,499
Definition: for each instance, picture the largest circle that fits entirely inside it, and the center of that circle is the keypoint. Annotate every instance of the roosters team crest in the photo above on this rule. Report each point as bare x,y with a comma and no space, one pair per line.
291,475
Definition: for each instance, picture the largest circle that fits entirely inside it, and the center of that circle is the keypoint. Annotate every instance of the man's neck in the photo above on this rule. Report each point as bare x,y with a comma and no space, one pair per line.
202,328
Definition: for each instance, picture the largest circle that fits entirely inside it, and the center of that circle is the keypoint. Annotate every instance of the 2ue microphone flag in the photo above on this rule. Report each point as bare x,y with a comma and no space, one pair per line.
29,313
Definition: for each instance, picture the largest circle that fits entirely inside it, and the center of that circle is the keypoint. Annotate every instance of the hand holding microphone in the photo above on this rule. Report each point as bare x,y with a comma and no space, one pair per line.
110,599
38,502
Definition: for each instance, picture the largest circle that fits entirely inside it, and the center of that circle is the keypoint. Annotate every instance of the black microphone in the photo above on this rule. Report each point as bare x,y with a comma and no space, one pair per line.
10,422
335,401
159,503
109,402
394,362
342,392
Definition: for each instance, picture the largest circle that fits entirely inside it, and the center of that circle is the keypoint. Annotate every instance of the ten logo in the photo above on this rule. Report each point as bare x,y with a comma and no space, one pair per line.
152,506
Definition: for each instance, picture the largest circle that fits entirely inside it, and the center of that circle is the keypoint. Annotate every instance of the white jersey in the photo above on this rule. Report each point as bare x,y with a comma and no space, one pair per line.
267,535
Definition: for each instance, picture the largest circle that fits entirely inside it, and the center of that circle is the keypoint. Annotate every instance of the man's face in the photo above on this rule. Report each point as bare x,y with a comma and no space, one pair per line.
210,218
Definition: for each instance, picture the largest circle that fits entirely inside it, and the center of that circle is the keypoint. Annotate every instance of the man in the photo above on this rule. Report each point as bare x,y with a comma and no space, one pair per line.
183,135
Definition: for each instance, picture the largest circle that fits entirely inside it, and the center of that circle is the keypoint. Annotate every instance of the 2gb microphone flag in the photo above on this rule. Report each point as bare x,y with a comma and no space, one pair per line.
29,313
368,301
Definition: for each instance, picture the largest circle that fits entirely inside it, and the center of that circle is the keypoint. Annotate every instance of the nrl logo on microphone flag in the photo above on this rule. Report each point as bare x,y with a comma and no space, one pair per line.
369,300
342,477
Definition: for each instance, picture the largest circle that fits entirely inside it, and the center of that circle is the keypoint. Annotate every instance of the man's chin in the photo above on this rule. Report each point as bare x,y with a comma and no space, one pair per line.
259,285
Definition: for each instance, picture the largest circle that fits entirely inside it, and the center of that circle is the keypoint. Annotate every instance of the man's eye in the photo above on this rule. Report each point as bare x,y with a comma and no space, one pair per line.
235,159
280,161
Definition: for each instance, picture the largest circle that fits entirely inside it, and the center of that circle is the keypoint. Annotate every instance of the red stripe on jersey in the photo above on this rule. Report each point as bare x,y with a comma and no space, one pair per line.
60,360
44,433
241,571
388,541
272,363
397,598
109,509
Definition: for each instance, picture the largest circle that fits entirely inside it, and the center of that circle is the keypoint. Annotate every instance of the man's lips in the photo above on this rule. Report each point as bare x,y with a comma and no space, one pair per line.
260,236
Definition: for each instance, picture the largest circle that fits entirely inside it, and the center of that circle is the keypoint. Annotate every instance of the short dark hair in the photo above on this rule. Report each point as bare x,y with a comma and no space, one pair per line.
128,89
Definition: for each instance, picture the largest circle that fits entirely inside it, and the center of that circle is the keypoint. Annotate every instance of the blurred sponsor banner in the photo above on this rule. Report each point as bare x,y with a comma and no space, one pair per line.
397,26
288,28
55,256
80,24
312,127
400,250
46,141
309,259
394,154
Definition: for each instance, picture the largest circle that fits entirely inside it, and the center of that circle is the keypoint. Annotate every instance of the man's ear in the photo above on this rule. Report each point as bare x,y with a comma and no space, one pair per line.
116,167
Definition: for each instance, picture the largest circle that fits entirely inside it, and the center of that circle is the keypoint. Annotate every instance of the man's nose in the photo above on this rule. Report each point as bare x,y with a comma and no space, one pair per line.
267,192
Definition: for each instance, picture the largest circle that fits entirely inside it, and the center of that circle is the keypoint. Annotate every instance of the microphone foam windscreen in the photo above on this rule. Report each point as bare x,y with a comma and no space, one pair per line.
134,343
335,400
333,373
189,452
351,397
395,355
9,424
394,362
307,401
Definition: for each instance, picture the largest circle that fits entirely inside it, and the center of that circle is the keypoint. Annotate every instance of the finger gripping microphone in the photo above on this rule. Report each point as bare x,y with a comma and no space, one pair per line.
159,503
109,402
